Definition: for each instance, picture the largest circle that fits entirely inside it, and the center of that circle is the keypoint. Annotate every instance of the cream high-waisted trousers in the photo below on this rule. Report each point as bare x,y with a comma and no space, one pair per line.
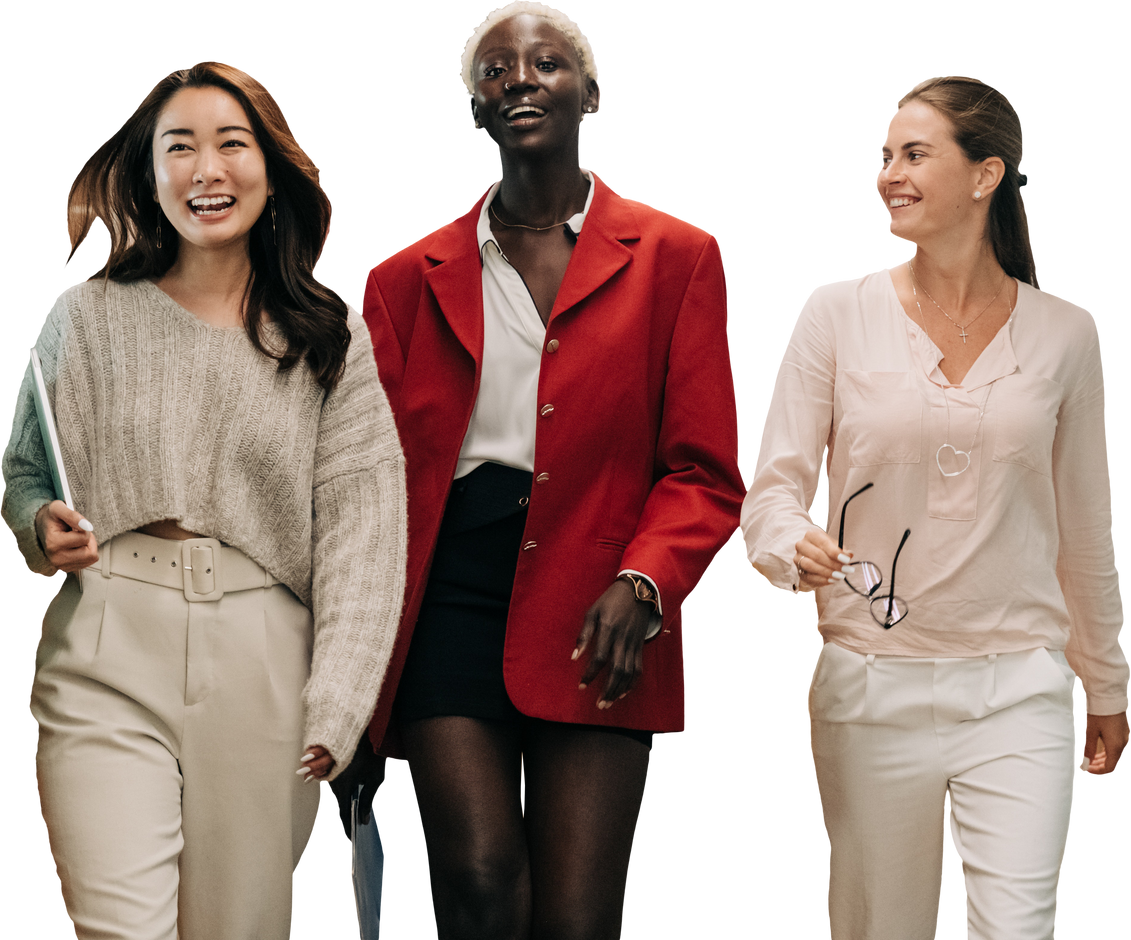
891,736
169,736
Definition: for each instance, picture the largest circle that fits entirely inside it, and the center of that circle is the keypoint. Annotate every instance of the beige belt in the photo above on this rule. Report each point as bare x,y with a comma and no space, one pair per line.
205,569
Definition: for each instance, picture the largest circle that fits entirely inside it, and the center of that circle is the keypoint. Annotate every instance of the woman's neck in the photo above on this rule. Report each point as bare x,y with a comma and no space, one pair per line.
210,284
956,273
543,192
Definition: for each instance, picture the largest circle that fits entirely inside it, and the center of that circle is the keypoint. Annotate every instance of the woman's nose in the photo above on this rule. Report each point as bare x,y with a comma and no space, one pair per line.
208,167
522,76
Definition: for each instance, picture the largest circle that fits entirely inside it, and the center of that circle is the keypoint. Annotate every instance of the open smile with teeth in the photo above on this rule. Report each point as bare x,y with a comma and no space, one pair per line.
520,111
898,202
211,205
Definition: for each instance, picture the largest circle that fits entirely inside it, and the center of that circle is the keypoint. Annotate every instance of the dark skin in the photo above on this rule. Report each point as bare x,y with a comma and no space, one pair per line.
556,867
524,62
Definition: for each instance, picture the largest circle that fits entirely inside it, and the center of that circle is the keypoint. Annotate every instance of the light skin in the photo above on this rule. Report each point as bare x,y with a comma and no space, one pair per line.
203,149
940,200
530,96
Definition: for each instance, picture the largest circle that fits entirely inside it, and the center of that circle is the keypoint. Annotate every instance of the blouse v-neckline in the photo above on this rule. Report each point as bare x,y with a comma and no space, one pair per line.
995,361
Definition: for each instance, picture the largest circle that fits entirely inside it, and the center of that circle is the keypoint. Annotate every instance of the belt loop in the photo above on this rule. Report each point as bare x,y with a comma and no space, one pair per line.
870,659
993,657
105,558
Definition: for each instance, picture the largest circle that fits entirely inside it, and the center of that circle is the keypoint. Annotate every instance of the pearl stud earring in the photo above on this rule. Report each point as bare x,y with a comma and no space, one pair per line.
977,195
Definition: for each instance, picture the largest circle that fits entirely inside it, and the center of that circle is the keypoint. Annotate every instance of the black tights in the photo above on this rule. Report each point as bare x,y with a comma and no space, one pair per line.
555,872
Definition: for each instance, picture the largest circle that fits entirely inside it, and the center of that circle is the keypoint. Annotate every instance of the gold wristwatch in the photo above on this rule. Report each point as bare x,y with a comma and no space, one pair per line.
643,589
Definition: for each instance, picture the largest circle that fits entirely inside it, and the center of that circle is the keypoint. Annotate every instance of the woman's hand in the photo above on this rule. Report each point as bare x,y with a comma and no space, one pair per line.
316,764
820,560
616,625
67,539
1104,741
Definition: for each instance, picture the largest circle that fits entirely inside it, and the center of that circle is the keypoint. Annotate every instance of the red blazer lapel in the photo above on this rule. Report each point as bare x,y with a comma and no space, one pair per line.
601,250
456,281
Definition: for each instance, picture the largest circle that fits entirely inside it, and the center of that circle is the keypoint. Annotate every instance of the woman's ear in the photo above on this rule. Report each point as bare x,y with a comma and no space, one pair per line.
990,173
592,98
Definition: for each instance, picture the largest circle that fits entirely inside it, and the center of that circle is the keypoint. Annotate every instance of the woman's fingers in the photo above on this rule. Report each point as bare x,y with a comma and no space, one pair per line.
624,671
315,764
820,560
615,627
67,538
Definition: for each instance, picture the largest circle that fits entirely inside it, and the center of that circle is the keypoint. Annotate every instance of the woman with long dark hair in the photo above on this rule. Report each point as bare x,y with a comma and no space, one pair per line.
966,574
236,550
557,363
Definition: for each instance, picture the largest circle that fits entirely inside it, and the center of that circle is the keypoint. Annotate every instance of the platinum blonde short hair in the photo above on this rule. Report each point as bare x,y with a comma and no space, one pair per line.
558,20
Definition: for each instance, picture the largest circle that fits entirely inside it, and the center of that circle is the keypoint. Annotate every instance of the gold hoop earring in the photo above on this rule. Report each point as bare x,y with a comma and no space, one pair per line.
158,229
271,204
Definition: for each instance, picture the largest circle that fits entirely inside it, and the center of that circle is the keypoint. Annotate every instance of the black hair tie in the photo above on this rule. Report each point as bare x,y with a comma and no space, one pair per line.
1022,179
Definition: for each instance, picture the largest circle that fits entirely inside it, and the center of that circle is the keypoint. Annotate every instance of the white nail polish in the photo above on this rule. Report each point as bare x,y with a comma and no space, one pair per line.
303,771
85,525
849,569
305,758
843,558
308,779
839,576
1085,764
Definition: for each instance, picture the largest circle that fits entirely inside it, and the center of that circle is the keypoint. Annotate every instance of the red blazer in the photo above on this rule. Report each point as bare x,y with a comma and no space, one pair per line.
640,444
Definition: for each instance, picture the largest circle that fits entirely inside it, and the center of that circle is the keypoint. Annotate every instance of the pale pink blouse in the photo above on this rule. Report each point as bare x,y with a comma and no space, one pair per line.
1014,553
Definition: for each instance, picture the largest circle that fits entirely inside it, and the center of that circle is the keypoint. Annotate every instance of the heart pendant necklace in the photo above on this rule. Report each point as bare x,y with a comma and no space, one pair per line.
956,454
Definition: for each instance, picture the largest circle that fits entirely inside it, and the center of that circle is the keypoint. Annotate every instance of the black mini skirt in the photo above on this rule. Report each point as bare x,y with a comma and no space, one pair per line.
455,661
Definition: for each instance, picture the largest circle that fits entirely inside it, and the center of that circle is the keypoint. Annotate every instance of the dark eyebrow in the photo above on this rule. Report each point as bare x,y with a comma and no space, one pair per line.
915,143
221,130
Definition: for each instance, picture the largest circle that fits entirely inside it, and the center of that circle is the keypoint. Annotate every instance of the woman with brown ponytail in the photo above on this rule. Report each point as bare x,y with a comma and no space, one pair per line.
962,411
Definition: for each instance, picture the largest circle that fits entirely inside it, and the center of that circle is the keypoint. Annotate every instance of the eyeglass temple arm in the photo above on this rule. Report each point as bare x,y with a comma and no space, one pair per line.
891,591
840,539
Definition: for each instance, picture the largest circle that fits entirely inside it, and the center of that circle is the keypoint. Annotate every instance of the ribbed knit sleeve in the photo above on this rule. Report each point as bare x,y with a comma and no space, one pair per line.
27,477
359,552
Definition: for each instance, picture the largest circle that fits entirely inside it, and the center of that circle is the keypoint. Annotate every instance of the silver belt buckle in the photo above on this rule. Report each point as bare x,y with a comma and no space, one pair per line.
200,563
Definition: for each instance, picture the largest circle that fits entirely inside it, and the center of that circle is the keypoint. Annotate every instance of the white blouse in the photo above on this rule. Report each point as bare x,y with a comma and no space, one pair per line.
1013,553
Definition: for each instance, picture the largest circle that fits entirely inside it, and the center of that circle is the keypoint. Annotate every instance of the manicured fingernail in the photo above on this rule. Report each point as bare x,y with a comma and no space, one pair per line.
832,581
85,525
308,779
837,575
603,705
302,771
849,569
843,558
1085,764
622,695
581,686
574,655
306,757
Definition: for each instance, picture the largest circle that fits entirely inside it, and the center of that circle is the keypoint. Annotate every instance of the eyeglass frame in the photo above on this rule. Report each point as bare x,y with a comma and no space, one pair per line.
887,623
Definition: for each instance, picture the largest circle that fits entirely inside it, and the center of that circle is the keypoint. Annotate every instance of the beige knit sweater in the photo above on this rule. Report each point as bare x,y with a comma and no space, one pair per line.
162,416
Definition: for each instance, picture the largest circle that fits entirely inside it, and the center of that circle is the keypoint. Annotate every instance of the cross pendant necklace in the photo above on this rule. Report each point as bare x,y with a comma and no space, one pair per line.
961,329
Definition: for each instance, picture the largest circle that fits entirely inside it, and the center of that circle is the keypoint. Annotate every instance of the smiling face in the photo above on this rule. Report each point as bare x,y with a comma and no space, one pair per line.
927,182
210,174
530,91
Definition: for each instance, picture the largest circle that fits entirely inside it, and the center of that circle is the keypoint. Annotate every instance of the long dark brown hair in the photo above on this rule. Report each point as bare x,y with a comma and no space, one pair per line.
117,185
985,125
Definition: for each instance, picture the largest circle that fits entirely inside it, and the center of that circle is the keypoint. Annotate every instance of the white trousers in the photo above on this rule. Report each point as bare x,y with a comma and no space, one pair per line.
891,736
170,733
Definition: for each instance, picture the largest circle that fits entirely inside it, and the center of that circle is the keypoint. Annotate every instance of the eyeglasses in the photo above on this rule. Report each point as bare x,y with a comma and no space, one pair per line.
886,609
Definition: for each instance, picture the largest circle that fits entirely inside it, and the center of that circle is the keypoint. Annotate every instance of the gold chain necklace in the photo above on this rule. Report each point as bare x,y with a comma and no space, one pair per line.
961,329
530,228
